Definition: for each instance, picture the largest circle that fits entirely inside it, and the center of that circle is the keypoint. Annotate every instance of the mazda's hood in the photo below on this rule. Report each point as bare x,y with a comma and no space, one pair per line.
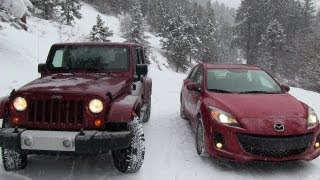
259,105
97,84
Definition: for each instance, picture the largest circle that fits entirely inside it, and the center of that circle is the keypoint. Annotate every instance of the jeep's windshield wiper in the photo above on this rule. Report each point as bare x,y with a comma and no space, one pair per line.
257,92
219,90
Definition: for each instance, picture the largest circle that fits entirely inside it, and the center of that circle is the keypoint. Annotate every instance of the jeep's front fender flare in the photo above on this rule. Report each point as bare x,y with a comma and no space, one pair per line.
123,109
4,107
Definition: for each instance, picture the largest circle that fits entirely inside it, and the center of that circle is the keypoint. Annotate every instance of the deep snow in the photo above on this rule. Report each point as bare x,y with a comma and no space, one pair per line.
170,142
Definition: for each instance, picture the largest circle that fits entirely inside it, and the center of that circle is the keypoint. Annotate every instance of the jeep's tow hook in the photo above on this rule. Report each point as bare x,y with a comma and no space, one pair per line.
81,133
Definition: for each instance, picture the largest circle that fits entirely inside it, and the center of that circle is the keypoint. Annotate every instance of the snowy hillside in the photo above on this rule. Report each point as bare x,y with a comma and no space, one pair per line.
170,142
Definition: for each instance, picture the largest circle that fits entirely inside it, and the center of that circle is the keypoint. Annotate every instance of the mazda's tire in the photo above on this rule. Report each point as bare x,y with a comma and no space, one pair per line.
200,140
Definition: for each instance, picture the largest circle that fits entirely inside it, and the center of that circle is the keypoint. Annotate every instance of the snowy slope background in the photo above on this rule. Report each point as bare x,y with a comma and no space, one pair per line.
170,142
236,3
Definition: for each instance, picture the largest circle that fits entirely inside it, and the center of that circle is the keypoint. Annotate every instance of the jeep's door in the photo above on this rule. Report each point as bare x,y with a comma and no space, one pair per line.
138,84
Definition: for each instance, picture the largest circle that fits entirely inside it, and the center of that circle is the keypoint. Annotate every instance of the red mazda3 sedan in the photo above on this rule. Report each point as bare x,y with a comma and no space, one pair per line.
240,112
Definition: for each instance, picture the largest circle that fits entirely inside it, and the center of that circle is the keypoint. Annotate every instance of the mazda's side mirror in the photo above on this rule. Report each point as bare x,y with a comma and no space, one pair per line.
141,69
286,88
193,87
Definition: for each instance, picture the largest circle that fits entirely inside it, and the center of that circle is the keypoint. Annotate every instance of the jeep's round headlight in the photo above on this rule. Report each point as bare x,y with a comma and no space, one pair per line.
96,106
312,117
20,104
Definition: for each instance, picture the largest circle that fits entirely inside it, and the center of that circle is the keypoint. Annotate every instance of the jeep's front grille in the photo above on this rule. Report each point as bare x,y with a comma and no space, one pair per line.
274,146
56,112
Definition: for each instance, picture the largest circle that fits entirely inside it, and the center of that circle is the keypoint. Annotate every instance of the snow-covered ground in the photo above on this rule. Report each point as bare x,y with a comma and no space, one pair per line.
170,142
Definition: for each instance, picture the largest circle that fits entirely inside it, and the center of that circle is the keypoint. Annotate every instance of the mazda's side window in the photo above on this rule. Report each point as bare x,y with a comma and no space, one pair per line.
193,73
198,76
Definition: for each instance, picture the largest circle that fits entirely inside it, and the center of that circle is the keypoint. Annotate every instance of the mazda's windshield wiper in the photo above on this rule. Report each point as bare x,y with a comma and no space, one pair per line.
257,92
219,90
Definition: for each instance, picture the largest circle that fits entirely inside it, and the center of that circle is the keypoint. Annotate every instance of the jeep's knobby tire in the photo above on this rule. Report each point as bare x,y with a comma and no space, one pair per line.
147,113
182,110
12,160
130,159
200,140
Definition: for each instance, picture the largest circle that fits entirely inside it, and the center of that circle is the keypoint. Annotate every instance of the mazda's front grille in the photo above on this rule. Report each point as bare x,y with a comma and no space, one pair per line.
274,146
56,112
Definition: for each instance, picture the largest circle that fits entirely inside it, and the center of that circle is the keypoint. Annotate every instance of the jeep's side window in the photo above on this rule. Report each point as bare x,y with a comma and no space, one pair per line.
193,73
198,77
57,59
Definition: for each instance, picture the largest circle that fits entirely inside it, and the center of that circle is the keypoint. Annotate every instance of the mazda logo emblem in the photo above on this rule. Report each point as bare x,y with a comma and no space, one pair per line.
279,127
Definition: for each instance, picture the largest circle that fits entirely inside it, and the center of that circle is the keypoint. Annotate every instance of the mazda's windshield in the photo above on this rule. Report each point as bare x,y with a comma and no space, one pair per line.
90,58
241,81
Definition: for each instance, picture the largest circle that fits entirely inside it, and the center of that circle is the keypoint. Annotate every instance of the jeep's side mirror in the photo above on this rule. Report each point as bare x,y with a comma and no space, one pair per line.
193,87
286,88
41,68
141,69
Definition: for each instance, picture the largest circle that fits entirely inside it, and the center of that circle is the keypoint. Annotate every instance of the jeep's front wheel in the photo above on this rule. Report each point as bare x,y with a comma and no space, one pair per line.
12,160
130,159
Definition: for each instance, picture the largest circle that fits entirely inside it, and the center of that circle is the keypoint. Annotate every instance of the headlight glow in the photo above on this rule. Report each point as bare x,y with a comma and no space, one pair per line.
222,117
20,104
96,106
312,117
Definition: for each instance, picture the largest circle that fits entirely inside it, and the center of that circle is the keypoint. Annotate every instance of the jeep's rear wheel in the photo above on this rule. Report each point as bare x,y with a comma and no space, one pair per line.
12,160
147,113
130,159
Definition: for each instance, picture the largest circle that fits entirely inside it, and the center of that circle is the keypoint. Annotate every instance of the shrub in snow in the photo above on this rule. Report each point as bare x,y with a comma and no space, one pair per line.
100,32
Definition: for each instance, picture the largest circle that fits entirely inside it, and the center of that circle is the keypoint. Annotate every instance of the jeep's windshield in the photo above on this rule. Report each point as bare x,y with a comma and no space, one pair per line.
241,81
103,58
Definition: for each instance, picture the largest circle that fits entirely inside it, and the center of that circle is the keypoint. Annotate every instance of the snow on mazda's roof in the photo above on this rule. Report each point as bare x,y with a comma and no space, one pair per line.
231,66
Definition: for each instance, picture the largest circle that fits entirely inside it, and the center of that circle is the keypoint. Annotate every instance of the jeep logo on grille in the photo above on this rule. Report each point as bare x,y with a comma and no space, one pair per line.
56,97
279,127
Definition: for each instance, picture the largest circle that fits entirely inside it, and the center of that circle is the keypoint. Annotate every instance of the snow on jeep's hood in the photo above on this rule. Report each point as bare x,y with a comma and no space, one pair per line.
95,84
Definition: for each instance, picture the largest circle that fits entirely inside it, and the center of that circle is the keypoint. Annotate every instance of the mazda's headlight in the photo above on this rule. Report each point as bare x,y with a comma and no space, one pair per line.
312,117
96,106
222,117
20,104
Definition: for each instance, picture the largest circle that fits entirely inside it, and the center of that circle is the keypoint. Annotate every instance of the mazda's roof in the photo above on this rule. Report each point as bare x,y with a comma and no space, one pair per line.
231,66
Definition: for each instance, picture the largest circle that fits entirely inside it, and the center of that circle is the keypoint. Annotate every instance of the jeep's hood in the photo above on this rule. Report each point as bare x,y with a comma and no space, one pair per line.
96,84
259,105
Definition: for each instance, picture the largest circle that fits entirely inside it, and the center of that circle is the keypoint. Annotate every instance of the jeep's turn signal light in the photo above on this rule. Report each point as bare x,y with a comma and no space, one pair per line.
15,120
98,122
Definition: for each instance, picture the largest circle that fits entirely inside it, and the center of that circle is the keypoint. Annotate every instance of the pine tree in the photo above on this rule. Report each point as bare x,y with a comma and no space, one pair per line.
273,41
100,32
70,9
45,9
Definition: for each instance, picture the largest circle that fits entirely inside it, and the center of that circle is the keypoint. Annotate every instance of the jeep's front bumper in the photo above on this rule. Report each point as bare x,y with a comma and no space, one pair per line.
85,142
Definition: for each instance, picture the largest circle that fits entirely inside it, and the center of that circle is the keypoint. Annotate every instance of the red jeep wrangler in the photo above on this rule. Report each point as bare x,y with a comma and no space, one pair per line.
91,98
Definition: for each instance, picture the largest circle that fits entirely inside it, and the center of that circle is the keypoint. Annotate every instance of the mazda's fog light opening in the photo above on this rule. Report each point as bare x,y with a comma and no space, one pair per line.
317,145
28,141
218,139
67,143
219,145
